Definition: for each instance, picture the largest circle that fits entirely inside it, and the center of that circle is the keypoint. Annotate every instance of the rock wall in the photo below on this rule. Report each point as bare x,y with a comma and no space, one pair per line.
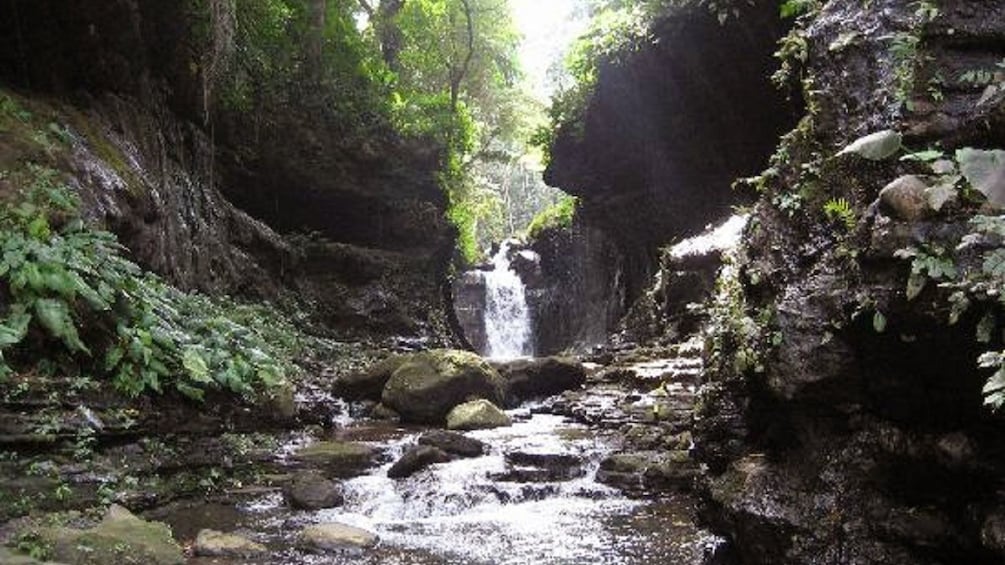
842,419
666,132
277,204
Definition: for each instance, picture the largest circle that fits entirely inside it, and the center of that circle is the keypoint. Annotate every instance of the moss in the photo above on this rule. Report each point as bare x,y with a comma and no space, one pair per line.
105,149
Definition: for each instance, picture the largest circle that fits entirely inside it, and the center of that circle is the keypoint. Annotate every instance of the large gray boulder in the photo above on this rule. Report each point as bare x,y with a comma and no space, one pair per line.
429,384
541,377
369,383
342,459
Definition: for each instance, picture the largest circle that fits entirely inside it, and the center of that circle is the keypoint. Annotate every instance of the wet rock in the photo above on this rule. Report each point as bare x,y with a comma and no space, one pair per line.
534,378
120,535
341,459
310,490
540,467
415,459
429,384
368,384
905,198
326,538
382,412
648,470
477,415
211,543
453,443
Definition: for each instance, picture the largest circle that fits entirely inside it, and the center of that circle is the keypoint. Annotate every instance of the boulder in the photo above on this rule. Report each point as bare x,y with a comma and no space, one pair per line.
426,386
121,537
477,415
341,459
326,538
535,378
453,443
905,198
648,470
211,543
542,467
310,490
368,384
417,457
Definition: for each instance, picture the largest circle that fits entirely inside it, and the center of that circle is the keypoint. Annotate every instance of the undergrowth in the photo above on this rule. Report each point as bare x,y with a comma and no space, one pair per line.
73,301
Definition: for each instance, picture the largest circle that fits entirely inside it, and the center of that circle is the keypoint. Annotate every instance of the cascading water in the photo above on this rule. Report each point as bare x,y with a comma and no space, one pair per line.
507,318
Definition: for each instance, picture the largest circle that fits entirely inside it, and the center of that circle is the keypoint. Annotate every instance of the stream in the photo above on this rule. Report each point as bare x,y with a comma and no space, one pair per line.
483,510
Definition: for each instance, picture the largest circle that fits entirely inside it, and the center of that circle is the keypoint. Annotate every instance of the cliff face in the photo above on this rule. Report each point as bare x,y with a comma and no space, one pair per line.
848,427
279,204
666,132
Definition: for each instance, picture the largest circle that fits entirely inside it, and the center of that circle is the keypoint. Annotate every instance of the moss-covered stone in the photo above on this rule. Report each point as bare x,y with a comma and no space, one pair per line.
120,538
338,458
426,387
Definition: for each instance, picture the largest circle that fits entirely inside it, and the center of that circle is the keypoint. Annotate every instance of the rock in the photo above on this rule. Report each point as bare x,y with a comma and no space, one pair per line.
993,533
211,543
424,388
326,538
341,459
453,443
537,467
905,198
121,537
477,415
381,412
310,490
415,459
648,470
532,378
282,403
940,195
875,146
368,384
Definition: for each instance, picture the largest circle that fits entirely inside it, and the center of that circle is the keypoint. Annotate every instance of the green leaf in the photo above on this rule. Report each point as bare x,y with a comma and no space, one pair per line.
924,156
54,316
986,327
15,327
879,322
915,284
196,366
190,391
994,264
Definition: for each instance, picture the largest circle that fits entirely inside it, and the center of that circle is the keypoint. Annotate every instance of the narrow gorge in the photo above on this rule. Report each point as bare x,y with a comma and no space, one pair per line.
496,282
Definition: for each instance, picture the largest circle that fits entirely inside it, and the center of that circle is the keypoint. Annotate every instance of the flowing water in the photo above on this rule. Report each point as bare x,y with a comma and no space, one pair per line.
507,318
477,511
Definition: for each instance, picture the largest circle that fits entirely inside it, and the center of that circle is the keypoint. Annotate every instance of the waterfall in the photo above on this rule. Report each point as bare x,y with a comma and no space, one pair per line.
507,318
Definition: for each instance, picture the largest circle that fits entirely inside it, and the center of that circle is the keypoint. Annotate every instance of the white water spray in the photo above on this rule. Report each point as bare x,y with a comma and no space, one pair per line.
507,318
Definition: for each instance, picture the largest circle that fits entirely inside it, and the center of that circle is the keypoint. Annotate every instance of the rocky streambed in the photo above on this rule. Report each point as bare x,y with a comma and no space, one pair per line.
597,473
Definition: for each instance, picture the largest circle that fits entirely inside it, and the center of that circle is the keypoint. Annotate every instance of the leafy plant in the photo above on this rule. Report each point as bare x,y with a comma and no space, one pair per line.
839,210
72,298
557,215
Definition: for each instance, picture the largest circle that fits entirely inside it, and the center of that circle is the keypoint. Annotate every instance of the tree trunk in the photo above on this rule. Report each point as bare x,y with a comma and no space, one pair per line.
316,38
388,32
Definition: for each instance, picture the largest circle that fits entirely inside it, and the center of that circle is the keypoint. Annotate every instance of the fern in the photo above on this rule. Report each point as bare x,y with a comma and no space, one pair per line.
839,210
68,284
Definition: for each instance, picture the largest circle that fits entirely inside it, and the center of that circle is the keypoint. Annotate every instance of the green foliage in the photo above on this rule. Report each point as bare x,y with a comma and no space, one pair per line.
558,215
73,299
794,8
839,210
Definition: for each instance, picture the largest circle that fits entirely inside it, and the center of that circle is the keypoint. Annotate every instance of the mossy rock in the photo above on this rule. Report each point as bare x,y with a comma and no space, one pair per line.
477,415
429,384
120,538
337,458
